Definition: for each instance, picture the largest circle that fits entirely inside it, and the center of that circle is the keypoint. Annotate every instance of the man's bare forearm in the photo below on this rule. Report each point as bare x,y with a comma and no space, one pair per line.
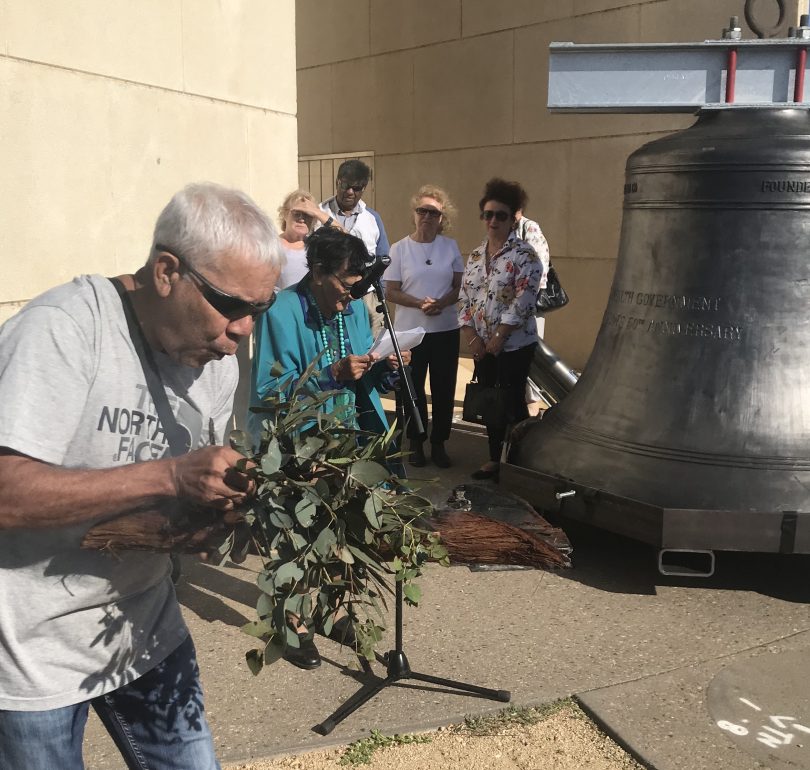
37,495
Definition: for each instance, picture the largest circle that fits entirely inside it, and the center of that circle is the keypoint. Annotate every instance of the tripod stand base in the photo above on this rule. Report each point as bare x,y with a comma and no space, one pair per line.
399,668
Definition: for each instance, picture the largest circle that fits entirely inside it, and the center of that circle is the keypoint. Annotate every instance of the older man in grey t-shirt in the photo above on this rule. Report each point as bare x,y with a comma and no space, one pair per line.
81,439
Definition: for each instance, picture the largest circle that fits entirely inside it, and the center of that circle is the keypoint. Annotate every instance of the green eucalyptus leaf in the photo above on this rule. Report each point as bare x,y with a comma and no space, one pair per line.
280,519
305,511
318,492
324,542
345,555
328,623
271,461
371,510
310,445
257,628
297,604
288,573
360,554
412,593
226,546
342,460
438,552
291,637
265,606
241,442
255,661
273,651
368,473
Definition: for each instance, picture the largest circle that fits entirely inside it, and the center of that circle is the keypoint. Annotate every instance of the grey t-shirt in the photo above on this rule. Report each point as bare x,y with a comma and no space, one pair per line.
75,624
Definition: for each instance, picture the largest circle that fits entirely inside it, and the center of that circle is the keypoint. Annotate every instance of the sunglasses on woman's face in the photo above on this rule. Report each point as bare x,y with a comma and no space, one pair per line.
227,305
501,216
426,212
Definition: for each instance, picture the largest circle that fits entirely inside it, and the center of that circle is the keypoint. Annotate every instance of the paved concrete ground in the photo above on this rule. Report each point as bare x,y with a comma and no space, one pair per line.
689,674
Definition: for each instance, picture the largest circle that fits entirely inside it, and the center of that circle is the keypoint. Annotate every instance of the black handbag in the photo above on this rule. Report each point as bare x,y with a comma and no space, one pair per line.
485,404
553,297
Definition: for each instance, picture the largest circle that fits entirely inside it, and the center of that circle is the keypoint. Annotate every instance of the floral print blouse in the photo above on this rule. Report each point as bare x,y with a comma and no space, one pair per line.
530,231
507,294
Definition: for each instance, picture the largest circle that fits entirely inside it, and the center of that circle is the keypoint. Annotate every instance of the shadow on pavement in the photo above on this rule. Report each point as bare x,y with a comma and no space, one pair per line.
197,575
619,564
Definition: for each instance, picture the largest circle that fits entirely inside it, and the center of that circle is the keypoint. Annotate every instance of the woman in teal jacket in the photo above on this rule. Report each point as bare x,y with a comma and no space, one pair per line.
318,315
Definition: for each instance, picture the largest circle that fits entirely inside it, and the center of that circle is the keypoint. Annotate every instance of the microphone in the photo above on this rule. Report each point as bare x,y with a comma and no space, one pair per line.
372,272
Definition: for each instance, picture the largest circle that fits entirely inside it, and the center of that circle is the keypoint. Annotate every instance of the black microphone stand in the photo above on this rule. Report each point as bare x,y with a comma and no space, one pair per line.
396,660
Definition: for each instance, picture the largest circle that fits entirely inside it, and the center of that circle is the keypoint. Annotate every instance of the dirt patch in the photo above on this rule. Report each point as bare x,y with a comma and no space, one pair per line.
560,737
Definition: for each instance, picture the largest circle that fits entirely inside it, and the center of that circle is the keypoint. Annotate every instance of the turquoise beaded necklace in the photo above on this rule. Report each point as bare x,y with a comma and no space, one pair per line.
341,333
346,394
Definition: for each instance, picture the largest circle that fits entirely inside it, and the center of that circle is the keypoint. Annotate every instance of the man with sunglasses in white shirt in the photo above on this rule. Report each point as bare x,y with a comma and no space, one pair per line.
350,211
116,394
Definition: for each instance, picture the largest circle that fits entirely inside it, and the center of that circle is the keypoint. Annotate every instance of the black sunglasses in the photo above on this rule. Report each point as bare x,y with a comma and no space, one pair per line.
356,188
501,216
422,211
233,308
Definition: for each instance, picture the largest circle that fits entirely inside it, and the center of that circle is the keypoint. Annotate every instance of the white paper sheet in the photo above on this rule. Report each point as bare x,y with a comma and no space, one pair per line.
382,347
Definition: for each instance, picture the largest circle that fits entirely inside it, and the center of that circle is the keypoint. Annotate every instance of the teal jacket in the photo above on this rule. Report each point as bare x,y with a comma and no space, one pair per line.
285,335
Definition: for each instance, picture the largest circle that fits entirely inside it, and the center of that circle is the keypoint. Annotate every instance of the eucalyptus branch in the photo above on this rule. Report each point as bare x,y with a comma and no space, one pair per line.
333,524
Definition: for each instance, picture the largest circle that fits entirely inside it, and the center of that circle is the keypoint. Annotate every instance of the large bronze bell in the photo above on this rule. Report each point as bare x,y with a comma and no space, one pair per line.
690,426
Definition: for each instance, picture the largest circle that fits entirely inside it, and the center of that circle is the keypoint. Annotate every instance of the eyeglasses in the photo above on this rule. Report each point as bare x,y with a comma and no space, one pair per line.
233,308
430,213
347,287
501,216
357,189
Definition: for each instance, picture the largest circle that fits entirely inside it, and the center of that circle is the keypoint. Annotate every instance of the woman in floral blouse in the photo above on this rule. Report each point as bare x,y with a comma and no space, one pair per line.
496,309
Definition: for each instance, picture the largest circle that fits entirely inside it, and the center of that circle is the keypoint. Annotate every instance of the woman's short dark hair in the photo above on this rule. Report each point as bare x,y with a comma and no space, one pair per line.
328,248
511,194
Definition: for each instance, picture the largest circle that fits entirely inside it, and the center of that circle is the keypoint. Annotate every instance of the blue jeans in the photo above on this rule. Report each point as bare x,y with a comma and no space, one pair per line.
157,722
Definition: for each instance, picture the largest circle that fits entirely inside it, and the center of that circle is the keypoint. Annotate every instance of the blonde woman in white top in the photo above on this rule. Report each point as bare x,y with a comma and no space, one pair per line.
297,218
423,280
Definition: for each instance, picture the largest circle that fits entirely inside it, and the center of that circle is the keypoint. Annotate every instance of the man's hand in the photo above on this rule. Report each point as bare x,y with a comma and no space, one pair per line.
352,367
209,476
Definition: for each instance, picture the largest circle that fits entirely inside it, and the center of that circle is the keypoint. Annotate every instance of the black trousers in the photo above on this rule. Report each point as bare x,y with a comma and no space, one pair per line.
437,354
508,370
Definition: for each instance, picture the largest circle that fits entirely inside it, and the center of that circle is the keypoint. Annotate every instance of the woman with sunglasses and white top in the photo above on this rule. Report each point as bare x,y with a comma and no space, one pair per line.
496,310
423,280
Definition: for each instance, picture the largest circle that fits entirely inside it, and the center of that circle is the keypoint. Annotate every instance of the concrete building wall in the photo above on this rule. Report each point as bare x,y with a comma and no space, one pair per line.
108,107
454,92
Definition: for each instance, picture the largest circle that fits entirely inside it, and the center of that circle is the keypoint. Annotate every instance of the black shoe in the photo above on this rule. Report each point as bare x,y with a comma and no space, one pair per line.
343,632
483,473
439,456
305,656
417,458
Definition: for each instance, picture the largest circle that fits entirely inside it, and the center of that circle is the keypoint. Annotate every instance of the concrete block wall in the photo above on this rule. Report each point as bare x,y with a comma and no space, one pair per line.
454,92
107,108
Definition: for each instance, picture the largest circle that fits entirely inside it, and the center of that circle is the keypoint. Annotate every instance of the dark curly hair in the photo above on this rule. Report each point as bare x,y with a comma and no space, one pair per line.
328,248
511,194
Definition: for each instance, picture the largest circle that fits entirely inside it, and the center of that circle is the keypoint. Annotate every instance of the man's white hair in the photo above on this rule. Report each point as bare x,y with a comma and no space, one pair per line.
204,221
